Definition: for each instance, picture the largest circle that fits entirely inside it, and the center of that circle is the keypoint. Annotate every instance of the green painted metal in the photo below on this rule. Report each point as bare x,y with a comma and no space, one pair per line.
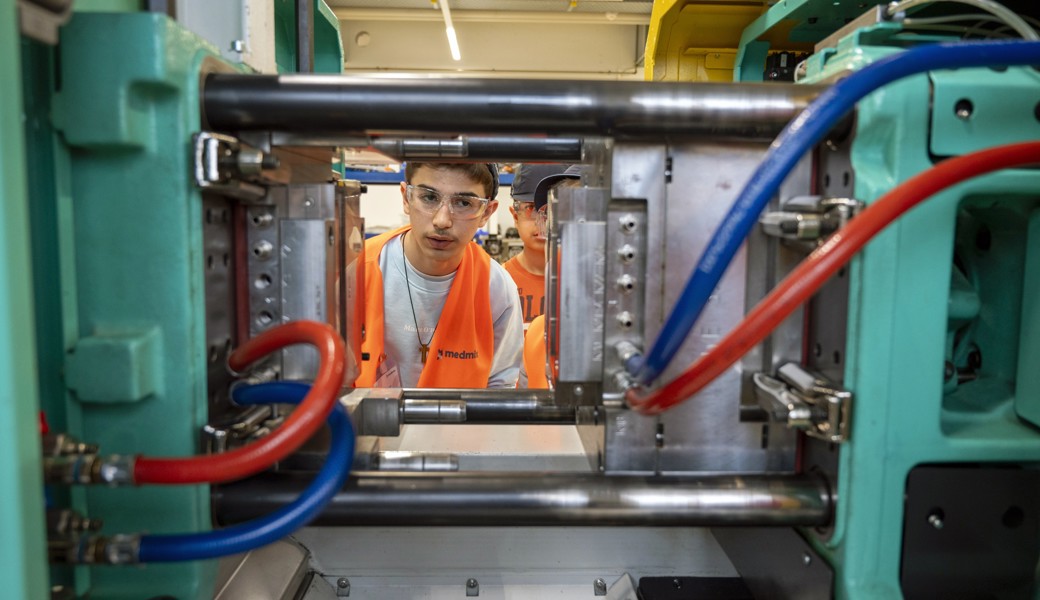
808,21
981,108
22,551
53,254
127,118
109,5
328,46
905,412
135,355
1027,400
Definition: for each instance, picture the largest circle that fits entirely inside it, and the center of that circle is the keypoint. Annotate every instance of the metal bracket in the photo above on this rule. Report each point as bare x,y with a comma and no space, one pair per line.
252,423
809,218
805,401
223,163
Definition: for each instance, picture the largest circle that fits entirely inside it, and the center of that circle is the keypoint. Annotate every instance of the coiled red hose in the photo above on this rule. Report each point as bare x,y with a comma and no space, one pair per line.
301,424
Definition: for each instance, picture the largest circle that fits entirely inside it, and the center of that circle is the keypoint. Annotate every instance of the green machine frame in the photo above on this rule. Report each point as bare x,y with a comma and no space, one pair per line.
941,349
102,279
103,298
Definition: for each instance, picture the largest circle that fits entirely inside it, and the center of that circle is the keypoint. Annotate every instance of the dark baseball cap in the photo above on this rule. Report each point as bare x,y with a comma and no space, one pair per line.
541,191
528,176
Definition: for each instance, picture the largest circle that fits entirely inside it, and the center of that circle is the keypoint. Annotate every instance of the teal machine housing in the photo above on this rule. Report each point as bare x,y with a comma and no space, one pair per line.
104,232
103,278
940,345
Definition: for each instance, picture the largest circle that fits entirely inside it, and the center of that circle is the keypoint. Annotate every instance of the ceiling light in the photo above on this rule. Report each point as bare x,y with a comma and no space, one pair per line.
449,29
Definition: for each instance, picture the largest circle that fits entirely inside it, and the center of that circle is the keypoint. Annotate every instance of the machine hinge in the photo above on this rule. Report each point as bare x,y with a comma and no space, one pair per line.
809,218
805,401
224,165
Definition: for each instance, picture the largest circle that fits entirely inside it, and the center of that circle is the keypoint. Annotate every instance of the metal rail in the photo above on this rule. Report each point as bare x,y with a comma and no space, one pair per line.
502,407
335,103
537,499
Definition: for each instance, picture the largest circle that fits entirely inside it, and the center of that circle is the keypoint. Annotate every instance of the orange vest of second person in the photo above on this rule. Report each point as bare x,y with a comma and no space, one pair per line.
531,288
465,322
534,354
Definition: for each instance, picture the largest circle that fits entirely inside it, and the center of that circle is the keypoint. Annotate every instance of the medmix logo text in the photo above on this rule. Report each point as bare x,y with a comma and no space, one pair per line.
464,355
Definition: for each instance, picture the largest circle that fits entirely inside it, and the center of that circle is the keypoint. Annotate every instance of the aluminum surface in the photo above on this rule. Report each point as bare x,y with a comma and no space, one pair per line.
704,434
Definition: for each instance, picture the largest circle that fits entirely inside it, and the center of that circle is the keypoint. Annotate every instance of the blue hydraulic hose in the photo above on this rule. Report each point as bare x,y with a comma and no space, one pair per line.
801,134
289,518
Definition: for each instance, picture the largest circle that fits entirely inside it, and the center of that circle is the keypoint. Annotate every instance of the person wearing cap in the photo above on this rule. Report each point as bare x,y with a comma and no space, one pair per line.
438,311
528,267
533,372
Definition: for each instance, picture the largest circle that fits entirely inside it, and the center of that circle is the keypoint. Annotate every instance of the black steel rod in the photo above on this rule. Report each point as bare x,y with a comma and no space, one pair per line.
331,103
537,499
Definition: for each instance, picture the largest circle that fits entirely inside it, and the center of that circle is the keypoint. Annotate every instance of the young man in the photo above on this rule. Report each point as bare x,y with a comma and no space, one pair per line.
528,267
438,311
533,372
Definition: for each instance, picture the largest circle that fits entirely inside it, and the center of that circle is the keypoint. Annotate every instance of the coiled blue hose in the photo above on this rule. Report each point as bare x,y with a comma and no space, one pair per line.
800,135
264,530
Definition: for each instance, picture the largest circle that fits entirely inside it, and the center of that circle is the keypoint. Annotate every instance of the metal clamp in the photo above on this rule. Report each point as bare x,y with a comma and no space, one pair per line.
809,217
805,401
223,163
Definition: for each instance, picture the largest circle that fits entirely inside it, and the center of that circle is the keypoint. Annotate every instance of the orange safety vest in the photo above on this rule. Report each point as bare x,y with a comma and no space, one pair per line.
530,286
534,354
462,348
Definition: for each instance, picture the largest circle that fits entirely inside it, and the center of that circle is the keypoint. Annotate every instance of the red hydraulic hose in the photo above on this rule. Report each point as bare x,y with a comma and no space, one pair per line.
301,424
807,278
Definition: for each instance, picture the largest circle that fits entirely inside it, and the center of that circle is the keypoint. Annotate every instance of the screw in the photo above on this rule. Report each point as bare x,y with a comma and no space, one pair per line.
626,283
599,587
238,46
626,253
343,582
471,583
806,559
628,223
935,521
963,109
